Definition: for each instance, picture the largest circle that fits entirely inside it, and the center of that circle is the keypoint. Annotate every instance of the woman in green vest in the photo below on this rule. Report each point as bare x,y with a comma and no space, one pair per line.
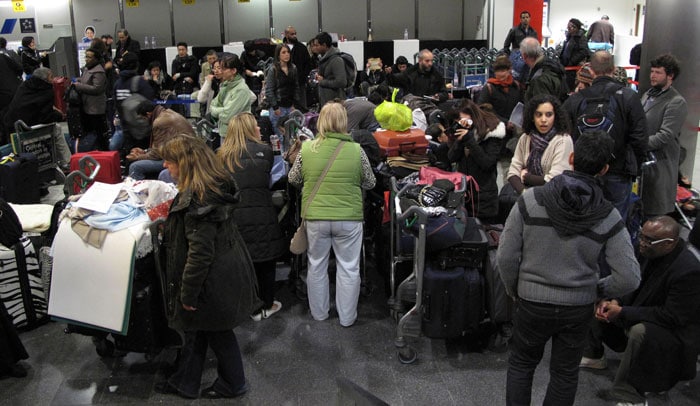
333,211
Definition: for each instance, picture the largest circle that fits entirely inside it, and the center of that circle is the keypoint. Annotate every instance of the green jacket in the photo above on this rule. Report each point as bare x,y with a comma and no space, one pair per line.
234,97
207,265
340,194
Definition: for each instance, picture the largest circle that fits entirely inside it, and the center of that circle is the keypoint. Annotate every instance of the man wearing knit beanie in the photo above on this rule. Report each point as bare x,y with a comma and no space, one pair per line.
584,77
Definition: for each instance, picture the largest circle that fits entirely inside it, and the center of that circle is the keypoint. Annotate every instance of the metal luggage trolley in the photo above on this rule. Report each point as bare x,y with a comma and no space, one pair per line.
39,140
410,290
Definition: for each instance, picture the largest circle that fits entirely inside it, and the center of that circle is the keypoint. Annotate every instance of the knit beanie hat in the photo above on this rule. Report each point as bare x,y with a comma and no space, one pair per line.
585,74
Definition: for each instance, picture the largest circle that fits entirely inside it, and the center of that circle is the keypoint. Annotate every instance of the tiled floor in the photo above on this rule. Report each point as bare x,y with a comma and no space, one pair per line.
291,359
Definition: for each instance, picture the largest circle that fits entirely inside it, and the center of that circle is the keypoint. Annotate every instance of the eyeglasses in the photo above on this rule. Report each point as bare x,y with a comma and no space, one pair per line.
650,241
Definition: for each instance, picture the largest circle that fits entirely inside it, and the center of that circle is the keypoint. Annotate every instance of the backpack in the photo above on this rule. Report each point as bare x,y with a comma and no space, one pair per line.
138,126
597,112
350,69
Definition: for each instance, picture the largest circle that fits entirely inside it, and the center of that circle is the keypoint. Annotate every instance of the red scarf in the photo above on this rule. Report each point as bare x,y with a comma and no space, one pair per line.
505,84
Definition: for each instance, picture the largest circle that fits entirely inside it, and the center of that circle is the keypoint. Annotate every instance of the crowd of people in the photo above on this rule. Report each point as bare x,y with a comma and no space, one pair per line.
565,254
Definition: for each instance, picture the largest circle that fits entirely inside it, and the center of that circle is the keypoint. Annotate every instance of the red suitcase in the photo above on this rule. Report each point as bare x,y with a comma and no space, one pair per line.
110,169
60,84
395,143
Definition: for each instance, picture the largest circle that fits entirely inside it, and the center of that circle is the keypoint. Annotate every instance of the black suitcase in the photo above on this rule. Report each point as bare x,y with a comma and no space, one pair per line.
19,179
148,328
452,301
499,304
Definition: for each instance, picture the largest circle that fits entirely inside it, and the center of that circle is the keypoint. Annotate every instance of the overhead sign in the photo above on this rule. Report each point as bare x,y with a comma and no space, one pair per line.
188,2
132,3
18,6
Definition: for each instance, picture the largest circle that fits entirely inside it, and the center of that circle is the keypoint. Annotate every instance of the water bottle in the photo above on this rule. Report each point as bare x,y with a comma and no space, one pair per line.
145,41
276,144
153,42
405,33
455,80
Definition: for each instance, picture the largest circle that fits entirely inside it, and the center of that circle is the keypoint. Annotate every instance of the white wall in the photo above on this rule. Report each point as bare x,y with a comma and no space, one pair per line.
621,13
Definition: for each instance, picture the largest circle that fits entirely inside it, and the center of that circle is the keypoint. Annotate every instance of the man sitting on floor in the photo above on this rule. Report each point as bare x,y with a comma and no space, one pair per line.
657,327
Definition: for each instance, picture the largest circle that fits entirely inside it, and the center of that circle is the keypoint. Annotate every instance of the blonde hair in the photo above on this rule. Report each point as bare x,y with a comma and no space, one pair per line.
333,118
241,128
199,170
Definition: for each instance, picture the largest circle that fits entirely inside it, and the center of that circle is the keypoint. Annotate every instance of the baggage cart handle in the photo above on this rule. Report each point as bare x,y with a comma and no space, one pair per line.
75,178
21,126
414,211
88,164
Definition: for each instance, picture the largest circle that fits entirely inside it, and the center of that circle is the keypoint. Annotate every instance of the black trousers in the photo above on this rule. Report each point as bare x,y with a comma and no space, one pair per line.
231,378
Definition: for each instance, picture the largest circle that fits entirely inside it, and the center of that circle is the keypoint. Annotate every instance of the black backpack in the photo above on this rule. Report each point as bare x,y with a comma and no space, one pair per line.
138,126
597,112
350,69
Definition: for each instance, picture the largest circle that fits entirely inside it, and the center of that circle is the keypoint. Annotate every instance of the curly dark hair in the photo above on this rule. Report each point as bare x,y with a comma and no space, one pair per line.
561,119
669,63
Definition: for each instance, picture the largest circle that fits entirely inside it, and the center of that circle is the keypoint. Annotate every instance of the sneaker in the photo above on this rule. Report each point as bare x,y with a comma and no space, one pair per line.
645,403
257,316
276,306
593,363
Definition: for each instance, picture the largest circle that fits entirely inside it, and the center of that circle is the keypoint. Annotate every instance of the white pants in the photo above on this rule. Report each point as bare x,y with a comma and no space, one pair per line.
345,237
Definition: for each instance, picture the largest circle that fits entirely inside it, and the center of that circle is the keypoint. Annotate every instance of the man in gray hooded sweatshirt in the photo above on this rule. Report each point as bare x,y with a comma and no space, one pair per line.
548,260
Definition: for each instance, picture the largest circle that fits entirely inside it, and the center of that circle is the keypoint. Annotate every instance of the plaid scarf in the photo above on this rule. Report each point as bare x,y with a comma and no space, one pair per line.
538,143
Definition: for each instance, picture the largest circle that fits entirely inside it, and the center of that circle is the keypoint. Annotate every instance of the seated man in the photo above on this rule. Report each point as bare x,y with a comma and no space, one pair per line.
370,77
421,79
657,327
146,163
33,103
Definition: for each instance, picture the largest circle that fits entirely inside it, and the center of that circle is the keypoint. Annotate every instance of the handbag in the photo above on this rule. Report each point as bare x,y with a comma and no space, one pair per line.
300,241
73,96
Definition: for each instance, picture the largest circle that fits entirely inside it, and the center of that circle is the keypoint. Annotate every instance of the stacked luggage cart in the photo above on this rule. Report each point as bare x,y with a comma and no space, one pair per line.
443,296
464,68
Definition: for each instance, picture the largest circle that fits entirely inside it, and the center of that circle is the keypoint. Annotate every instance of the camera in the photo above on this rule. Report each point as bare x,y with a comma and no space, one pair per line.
451,131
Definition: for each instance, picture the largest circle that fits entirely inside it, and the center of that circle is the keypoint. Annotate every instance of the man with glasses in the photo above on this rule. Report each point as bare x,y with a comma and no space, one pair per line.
657,327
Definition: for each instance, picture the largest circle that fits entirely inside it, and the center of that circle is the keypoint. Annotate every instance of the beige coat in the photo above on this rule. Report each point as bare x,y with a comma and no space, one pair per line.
555,158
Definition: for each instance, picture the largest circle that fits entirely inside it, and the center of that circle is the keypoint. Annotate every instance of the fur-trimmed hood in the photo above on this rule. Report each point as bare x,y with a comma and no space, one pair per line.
499,132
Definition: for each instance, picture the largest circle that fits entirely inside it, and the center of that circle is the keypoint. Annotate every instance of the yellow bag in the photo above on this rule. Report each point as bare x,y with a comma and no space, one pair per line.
394,116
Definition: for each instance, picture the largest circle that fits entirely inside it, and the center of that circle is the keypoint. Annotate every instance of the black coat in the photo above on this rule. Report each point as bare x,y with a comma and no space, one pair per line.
302,60
130,45
503,102
207,265
254,214
33,104
419,83
30,60
577,51
480,164
668,302
11,73
187,67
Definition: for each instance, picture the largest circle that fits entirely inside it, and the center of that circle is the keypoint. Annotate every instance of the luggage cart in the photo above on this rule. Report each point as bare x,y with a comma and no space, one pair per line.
39,140
410,290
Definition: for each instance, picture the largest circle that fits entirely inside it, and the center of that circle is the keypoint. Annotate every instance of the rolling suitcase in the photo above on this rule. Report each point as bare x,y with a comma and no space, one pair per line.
60,84
109,170
395,143
19,179
452,301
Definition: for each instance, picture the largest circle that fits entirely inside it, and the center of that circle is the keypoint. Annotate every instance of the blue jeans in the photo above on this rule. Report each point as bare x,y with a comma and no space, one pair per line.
534,324
617,190
145,168
274,118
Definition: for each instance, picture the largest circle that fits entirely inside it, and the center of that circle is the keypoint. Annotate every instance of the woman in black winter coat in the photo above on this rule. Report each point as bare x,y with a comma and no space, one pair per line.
476,148
575,50
210,282
31,58
249,161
